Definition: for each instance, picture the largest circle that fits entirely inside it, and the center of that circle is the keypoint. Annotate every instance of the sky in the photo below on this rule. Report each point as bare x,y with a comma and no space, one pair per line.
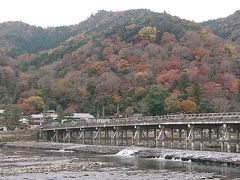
48,13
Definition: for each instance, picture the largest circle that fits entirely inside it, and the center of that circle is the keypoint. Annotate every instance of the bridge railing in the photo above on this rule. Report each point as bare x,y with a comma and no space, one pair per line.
152,119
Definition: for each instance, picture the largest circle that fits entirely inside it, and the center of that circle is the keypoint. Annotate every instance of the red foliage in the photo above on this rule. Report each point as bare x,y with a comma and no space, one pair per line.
132,59
174,62
200,52
168,37
212,89
167,76
203,73
225,79
212,86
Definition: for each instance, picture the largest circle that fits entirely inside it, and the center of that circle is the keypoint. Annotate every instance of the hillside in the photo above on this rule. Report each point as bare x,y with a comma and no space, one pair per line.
127,62
17,38
228,28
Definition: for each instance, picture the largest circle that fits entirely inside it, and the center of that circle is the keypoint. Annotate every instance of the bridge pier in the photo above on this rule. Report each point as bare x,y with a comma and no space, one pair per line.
180,137
190,131
155,137
171,143
57,135
237,140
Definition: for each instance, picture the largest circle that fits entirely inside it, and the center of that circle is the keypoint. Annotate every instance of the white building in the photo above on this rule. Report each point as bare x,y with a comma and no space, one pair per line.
37,118
82,116
52,114
23,121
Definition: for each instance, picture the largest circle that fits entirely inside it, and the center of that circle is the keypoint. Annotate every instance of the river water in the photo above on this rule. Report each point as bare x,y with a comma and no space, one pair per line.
14,162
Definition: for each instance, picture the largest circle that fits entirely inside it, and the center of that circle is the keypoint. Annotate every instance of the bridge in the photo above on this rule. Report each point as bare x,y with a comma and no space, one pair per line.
190,131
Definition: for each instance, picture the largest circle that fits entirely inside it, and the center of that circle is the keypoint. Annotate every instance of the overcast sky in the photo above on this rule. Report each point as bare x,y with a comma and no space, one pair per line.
66,12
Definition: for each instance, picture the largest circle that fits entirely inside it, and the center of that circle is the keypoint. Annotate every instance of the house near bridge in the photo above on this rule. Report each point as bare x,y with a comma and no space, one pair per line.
79,117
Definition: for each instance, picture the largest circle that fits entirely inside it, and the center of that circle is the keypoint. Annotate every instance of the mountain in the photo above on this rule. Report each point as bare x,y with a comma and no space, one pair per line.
228,28
126,62
17,38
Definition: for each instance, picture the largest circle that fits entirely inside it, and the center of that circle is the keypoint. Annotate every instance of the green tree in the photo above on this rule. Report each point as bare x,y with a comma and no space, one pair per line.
184,82
205,107
155,100
12,115
101,105
196,91
60,113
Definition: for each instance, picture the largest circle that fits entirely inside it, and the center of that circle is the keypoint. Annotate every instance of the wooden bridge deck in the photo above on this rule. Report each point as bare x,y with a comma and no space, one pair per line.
213,129
181,119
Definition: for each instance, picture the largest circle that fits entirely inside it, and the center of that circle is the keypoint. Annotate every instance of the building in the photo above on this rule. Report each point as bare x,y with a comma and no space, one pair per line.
37,119
23,121
52,114
82,116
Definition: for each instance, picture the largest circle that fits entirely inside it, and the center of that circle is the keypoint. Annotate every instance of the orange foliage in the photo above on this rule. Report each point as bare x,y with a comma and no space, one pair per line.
139,89
122,64
188,106
70,109
130,27
116,98
141,67
234,86
62,85
212,86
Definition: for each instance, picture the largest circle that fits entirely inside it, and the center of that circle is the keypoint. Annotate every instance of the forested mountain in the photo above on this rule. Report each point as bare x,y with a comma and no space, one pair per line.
126,62
17,38
228,28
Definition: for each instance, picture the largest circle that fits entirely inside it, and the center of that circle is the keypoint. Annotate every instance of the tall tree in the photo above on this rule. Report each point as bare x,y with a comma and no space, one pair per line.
155,100
12,115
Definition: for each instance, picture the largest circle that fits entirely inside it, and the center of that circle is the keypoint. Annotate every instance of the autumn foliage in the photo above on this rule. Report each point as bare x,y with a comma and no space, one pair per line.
130,61
31,105
188,106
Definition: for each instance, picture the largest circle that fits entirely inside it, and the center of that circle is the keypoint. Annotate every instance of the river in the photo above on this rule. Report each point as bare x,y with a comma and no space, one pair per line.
24,163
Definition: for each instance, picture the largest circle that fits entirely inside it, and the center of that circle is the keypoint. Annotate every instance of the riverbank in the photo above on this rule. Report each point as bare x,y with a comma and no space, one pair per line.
19,135
208,157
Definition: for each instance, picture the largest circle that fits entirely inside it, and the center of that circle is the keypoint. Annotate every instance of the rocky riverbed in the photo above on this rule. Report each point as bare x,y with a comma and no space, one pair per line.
54,167
45,160
222,158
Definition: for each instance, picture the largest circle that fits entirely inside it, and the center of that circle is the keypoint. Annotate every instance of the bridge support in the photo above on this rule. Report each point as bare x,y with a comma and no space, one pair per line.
172,131
56,136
